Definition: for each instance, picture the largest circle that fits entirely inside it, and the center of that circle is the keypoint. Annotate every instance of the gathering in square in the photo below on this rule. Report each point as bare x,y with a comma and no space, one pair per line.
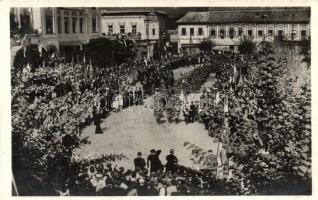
160,101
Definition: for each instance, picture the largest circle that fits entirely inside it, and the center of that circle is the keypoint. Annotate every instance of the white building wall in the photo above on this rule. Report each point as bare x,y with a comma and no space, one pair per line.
128,21
286,28
69,38
153,25
36,19
196,37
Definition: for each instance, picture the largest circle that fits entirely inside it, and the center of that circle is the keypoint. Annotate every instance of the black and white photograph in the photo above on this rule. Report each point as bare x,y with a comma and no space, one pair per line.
160,101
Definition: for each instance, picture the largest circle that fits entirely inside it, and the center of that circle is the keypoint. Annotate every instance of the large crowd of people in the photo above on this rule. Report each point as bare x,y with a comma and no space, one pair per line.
150,178
50,105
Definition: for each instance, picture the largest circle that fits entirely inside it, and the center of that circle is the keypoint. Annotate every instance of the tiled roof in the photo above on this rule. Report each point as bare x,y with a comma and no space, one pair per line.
246,15
198,17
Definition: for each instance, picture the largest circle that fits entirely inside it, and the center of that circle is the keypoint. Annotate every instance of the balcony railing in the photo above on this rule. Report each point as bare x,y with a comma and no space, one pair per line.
122,36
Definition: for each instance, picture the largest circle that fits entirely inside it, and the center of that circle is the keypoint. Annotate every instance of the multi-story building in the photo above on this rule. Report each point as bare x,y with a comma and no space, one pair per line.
63,28
146,28
225,26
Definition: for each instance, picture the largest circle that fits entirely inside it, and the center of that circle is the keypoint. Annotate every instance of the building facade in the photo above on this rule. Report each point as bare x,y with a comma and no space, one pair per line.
62,28
227,26
145,28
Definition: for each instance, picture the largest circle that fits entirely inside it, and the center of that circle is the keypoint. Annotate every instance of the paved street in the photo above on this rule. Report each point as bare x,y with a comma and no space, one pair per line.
136,130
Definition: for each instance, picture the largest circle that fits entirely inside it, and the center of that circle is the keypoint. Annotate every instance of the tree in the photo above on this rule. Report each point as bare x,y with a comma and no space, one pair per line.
246,46
206,45
305,46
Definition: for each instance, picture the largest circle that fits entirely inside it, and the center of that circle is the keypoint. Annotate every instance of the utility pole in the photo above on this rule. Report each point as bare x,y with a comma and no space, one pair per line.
292,35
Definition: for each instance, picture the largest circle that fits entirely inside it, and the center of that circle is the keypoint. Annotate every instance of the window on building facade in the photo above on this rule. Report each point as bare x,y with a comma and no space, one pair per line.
134,29
110,29
49,24
293,34
303,33
94,25
240,31
250,32
48,21
270,33
231,33
213,33
122,29
280,33
81,24
200,31
260,33
74,24
153,31
183,31
59,22
66,25
191,31
222,33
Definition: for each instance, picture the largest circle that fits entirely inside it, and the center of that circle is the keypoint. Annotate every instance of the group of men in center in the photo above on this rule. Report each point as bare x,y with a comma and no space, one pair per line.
154,163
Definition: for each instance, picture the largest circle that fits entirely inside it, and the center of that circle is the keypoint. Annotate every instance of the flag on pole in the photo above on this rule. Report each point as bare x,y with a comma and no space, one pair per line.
28,67
91,70
217,98
240,80
40,50
145,60
84,59
24,52
231,89
226,105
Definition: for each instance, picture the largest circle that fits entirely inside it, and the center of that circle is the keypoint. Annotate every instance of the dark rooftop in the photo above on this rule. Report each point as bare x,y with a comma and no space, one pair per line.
130,11
248,15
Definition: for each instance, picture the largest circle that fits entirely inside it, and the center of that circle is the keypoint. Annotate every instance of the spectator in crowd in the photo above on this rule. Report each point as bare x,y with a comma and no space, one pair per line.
97,121
210,161
196,159
153,161
172,162
192,112
139,162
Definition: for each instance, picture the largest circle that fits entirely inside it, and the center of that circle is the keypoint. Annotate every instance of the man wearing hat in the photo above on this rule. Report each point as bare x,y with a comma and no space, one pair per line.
139,162
172,162
155,163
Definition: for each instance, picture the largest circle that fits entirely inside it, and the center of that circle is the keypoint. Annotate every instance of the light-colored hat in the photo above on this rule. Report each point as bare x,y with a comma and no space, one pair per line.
99,176
141,181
